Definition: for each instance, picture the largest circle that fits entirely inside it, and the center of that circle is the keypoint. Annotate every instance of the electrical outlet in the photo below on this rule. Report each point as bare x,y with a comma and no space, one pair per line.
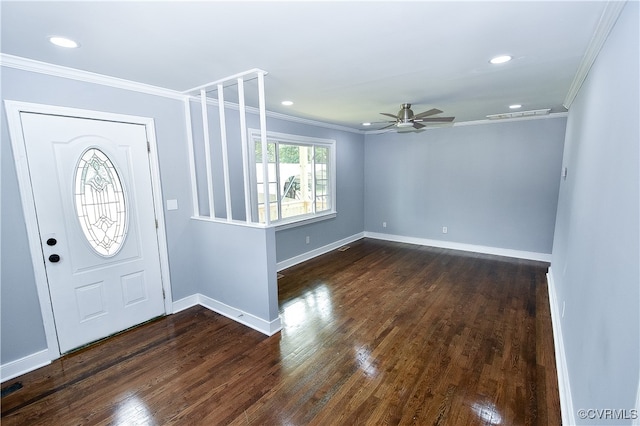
445,229
308,239
384,224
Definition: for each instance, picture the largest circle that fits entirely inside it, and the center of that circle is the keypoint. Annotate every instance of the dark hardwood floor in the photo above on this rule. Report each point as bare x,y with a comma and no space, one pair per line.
382,333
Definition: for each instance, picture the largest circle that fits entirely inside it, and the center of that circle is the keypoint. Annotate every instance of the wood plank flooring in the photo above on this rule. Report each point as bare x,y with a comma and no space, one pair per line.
382,334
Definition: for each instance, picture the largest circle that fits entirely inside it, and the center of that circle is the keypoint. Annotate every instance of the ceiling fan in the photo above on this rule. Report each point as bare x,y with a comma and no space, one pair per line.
405,118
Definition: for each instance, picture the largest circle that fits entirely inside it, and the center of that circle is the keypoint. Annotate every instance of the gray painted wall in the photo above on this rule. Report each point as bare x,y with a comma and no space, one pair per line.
22,329
493,184
596,252
237,266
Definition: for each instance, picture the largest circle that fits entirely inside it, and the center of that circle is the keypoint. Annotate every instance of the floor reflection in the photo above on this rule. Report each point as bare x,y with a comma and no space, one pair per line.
133,411
304,322
365,361
313,307
488,413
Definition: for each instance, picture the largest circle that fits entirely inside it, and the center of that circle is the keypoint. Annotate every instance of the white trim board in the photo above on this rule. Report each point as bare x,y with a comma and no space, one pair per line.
607,21
497,251
24,365
185,303
31,65
481,122
263,326
564,387
636,421
317,252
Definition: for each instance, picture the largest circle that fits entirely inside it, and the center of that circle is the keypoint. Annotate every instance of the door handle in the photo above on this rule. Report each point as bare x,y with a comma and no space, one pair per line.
54,258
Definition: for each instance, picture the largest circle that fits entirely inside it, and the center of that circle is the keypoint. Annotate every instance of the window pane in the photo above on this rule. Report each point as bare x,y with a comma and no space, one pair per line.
296,176
300,176
273,186
271,151
322,178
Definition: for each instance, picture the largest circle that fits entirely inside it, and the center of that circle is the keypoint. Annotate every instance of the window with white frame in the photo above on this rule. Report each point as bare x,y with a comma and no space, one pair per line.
301,177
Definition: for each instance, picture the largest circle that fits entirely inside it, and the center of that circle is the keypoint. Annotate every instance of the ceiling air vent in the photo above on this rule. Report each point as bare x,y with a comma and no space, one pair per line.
519,114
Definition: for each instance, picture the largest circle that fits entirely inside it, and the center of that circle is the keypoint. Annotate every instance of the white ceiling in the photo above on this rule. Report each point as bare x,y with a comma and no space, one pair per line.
339,62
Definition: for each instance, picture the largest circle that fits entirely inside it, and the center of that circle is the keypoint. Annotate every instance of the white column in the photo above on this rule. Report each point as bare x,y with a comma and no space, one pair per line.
207,152
225,155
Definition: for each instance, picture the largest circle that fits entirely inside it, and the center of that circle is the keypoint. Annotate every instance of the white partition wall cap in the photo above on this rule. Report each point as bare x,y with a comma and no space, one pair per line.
245,75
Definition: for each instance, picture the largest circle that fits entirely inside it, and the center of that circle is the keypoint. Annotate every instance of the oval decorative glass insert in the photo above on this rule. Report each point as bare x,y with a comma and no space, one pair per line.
100,202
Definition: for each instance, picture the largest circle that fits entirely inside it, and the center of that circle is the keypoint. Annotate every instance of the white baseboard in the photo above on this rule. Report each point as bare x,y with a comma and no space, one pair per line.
265,327
185,303
519,254
317,252
24,365
564,388
636,421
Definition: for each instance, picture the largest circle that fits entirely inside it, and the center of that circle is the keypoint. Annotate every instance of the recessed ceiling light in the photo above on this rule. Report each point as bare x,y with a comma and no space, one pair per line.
500,59
366,124
63,42
287,103
515,106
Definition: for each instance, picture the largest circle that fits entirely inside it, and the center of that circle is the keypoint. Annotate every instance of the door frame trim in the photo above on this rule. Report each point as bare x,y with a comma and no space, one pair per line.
13,110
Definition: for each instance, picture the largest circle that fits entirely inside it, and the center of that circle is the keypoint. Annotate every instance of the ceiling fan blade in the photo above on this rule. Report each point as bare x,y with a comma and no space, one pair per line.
436,119
432,111
389,115
417,125
386,127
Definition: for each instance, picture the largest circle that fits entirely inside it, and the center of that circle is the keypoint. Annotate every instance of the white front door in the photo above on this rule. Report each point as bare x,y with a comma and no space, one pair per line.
91,184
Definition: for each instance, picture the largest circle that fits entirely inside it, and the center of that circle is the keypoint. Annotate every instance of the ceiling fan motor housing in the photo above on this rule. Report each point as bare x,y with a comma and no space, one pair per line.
405,114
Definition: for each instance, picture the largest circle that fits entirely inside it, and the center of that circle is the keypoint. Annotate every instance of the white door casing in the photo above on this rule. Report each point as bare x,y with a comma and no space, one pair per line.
86,295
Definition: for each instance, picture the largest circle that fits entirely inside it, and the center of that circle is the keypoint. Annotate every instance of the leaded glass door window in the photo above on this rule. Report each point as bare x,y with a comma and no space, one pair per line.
100,202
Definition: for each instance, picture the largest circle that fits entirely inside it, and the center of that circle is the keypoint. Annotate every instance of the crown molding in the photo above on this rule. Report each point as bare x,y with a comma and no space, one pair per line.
608,19
32,65
505,120
481,122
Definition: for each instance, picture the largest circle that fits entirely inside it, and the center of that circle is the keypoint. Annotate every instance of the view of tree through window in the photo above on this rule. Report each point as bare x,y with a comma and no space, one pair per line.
299,178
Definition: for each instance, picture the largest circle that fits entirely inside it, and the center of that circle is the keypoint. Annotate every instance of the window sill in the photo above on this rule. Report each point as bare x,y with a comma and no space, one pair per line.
301,221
